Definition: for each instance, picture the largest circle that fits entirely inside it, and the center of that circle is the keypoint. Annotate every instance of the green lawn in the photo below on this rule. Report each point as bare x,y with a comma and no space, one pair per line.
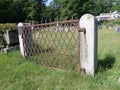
18,74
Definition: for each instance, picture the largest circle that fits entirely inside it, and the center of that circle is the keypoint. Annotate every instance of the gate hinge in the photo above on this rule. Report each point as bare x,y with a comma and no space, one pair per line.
82,30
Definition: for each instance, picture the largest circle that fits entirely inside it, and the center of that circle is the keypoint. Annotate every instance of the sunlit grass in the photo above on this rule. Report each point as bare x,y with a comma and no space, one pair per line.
18,74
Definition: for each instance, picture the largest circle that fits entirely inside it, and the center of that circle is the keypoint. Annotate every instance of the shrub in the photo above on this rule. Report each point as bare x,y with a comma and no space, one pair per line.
7,26
110,22
117,21
3,28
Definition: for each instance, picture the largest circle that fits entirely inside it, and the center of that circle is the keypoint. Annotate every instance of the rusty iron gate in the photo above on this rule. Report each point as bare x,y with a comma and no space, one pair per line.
53,44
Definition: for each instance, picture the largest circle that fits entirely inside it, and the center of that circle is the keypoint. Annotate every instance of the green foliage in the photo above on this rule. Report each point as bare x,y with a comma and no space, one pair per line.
3,28
111,22
34,9
117,21
8,26
21,10
76,8
99,7
5,8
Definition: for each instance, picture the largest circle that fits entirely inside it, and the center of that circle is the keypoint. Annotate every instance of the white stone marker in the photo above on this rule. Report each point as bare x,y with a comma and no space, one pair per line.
20,27
88,44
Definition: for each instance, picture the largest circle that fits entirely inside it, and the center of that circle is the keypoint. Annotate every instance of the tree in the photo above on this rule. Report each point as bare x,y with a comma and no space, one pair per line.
18,13
116,6
34,9
5,10
99,7
20,10
76,8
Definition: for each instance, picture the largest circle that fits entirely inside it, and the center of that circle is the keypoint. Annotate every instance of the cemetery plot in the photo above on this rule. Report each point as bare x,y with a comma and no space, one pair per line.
66,43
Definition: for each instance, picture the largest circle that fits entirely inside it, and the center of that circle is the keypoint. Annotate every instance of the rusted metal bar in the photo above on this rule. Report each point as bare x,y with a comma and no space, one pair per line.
82,70
53,23
82,30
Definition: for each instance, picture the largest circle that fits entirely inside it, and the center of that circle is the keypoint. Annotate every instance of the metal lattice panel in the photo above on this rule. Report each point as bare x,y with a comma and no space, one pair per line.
54,44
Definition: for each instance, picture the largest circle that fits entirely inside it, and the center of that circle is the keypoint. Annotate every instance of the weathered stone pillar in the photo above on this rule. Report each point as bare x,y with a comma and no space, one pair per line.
25,40
88,44
20,30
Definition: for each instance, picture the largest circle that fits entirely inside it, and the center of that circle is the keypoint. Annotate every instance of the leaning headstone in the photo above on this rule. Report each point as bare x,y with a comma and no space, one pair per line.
117,29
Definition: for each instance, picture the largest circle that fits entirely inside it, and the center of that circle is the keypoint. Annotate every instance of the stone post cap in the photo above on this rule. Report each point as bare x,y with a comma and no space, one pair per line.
20,24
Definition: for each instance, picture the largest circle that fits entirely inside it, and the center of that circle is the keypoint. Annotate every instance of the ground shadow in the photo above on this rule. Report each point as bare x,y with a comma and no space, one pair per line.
106,63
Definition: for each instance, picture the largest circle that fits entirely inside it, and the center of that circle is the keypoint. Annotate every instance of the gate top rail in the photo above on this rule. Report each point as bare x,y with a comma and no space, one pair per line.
52,23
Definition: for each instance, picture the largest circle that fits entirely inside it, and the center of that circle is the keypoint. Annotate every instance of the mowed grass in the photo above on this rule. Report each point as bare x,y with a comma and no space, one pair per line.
19,74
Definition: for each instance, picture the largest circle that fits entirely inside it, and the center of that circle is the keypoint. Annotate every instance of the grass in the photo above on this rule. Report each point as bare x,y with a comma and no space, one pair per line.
18,74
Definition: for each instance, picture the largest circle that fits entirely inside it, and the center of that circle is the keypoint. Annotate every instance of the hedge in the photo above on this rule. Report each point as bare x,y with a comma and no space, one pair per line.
7,26
112,22
4,27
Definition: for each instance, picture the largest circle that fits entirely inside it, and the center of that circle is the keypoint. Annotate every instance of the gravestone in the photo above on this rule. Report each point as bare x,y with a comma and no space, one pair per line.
109,26
11,37
100,27
118,30
9,41
37,34
66,29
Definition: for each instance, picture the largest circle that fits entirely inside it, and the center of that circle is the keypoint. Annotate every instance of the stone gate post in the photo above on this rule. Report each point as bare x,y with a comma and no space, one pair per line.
88,43
25,40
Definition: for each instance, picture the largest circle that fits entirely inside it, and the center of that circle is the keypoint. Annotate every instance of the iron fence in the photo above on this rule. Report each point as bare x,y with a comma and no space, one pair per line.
53,44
